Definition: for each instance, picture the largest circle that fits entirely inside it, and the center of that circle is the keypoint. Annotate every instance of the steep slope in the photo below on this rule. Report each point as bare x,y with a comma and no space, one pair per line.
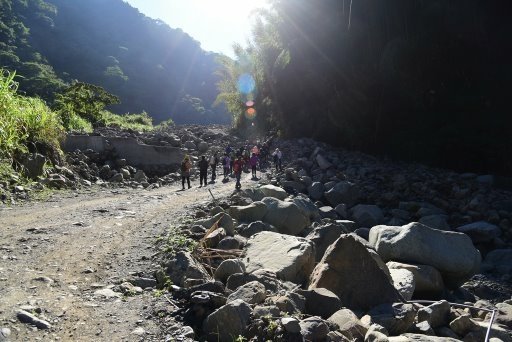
149,65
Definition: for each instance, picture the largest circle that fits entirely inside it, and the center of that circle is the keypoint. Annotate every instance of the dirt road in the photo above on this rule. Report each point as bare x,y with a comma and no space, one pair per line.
55,256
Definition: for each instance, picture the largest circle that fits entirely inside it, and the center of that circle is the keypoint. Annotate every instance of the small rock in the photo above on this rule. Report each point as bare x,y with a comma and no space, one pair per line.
291,325
26,317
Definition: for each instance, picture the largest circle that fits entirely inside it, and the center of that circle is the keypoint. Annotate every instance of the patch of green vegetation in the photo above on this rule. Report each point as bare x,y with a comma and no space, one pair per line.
164,125
137,122
178,241
24,120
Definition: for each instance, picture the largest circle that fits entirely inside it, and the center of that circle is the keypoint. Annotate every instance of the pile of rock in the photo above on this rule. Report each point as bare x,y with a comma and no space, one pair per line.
287,271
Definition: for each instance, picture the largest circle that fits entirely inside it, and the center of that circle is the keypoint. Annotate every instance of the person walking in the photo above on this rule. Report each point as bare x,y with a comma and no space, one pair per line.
203,171
237,169
186,166
214,160
226,163
278,156
254,162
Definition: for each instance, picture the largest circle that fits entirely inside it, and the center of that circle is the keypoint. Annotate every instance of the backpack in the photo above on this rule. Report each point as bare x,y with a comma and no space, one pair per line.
183,166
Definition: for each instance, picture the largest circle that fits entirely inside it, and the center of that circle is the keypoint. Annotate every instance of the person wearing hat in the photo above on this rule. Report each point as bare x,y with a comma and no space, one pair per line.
186,165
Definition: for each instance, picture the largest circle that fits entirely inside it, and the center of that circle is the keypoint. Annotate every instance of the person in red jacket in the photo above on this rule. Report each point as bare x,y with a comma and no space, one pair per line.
237,169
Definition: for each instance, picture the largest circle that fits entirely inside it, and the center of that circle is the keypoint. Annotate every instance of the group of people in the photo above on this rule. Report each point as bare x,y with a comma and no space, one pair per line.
233,163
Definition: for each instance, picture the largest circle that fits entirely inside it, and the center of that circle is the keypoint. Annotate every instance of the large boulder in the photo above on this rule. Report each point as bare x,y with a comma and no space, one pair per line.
324,236
498,260
225,221
321,302
322,162
249,213
349,325
255,227
316,191
227,268
274,191
291,258
452,253
285,216
252,293
428,281
348,270
343,192
202,146
183,267
306,206
367,215
480,231
403,280
397,318
228,321
33,165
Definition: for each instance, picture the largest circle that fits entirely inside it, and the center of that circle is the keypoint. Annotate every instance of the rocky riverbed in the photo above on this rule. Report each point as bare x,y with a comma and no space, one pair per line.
339,246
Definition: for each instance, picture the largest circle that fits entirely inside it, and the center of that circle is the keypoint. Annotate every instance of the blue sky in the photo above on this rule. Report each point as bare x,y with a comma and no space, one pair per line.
216,24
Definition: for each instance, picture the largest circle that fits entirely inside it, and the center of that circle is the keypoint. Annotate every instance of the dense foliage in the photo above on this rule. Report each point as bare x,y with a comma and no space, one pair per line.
24,122
418,80
148,65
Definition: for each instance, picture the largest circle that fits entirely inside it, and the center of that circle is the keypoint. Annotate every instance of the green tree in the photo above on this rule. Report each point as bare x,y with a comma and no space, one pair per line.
85,100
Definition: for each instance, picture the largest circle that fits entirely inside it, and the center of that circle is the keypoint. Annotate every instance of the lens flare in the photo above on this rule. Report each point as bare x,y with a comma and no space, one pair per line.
250,113
249,103
246,84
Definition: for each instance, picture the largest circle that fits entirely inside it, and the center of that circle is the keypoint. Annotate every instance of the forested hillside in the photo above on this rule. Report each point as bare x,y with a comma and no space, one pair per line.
148,65
412,79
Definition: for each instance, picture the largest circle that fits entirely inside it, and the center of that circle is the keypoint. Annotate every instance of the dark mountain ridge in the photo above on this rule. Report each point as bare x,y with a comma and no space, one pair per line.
149,65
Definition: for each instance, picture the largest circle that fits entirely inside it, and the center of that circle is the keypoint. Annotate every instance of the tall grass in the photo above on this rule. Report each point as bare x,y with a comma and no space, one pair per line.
138,122
24,120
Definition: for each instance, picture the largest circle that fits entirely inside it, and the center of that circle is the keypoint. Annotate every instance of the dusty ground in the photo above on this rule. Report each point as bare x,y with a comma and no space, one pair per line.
55,254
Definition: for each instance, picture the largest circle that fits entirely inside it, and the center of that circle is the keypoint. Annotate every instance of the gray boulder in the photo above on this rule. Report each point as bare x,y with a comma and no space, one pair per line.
254,228
428,281
237,313
248,213
225,222
313,329
140,177
252,293
306,206
273,191
397,318
291,258
227,268
367,215
316,191
343,192
349,325
324,236
321,302
480,231
327,212
322,162
435,221
285,216
349,270
202,147
452,253
403,280
498,260
183,267
436,314
33,165
190,145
